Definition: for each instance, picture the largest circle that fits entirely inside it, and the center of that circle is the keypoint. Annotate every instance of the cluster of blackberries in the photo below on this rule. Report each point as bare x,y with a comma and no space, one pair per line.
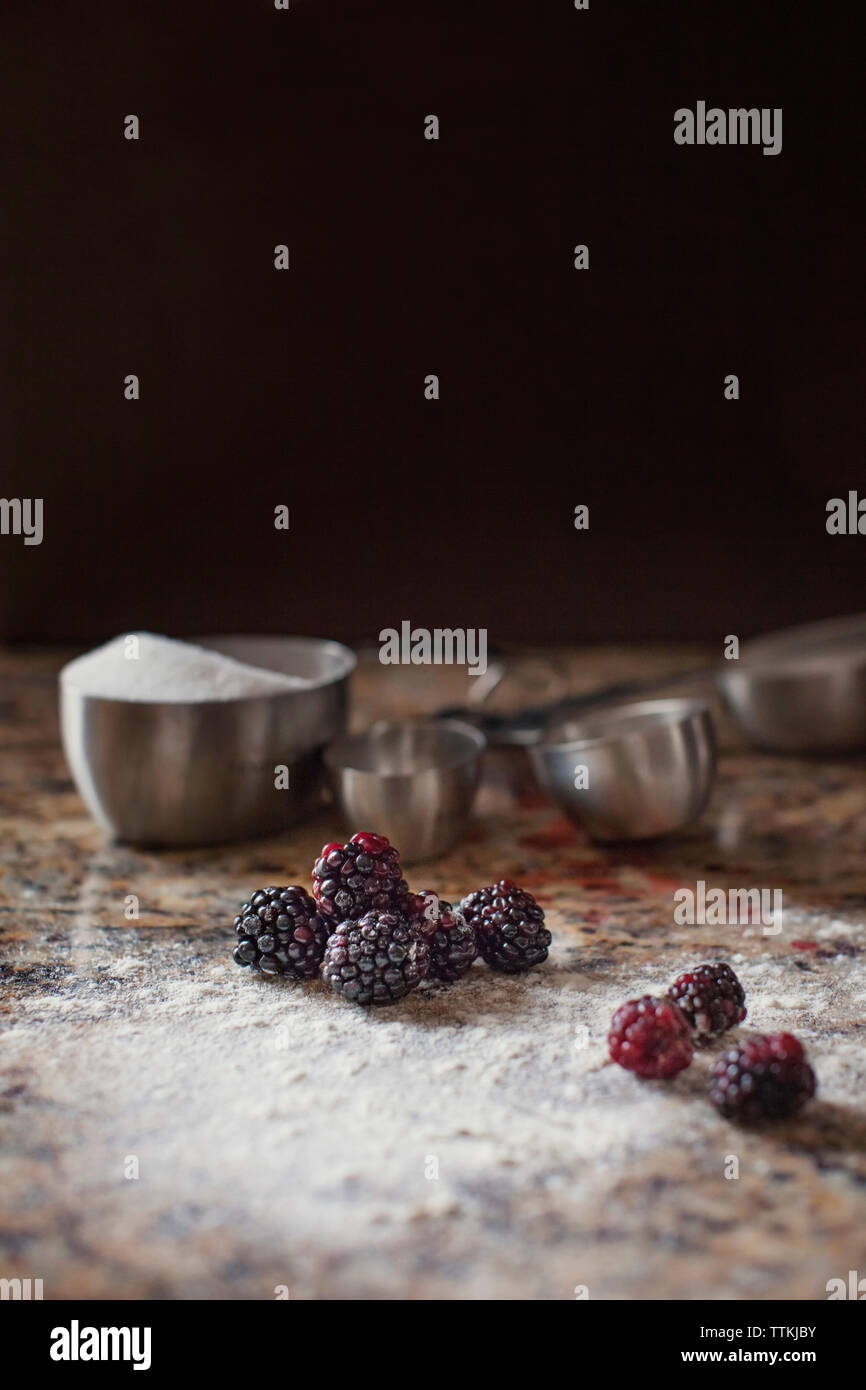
765,1078
373,939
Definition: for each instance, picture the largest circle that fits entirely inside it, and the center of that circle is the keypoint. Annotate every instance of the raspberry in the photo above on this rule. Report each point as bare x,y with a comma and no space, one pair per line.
651,1037
711,997
765,1078
281,932
365,874
509,926
377,959
449,936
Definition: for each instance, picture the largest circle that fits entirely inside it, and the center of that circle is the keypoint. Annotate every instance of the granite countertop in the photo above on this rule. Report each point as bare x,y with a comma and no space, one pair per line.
171,1127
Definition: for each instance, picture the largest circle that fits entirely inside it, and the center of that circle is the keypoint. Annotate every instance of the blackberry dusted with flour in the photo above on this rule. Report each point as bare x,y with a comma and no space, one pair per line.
280,931
711,997
361,876
509,926
449,936
377,959
651,1036
766,1078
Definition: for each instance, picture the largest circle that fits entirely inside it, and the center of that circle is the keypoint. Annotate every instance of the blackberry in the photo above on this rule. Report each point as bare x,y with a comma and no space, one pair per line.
365,874
711,997
765,1078
377,959
509,926
449,936
651,1037
281,932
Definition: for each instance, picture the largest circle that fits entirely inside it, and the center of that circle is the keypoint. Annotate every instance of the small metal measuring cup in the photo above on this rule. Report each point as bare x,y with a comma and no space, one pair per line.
412,780
632,771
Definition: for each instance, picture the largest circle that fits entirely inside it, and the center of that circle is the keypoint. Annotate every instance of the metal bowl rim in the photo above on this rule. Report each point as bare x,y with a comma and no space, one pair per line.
335,754
801,671
796,640
672,712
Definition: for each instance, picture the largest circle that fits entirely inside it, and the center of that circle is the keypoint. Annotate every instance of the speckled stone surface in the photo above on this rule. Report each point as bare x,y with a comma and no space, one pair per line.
467,1143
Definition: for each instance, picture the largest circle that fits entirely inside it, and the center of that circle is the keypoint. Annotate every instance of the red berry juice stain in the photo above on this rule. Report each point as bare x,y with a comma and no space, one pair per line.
531,800
660,884
558,834
600,883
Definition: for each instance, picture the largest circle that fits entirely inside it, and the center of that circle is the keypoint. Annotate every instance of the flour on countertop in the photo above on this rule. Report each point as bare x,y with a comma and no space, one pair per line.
165,669
341,1149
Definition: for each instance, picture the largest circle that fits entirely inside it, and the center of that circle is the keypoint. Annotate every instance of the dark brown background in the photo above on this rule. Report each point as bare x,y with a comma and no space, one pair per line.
411,257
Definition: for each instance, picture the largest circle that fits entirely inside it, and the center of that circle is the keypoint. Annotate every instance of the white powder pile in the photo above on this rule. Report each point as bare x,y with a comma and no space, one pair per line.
143,666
